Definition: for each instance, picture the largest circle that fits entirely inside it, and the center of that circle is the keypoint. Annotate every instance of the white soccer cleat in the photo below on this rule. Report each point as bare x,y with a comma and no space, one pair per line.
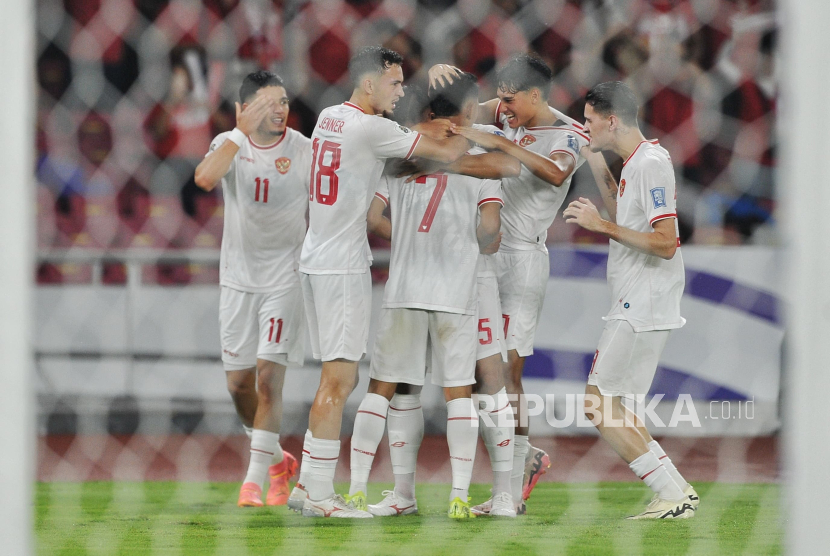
501,505
393,505
666,509
298,496
336,506
483,508
694,499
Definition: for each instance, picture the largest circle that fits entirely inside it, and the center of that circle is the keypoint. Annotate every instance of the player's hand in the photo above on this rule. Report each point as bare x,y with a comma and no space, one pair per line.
437,129
584,213
483,139
249,118
442,74
493,247
414,169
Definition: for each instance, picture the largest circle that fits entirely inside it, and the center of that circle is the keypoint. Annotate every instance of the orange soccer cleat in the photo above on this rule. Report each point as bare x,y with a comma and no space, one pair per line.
250,496
280,474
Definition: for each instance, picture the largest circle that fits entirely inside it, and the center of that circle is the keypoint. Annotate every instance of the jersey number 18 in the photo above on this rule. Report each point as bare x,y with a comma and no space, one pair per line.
319,170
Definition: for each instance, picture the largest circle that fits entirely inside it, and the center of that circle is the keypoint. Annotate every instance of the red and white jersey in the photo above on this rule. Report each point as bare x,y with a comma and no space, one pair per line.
266,197
531,203
486,263
349,149
434,245
646,289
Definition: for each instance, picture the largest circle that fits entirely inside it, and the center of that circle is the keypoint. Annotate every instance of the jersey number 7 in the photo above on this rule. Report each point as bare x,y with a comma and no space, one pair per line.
434,201
320,170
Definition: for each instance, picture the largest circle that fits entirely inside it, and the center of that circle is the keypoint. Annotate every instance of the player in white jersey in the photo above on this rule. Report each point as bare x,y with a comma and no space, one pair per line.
429,316
350,145
262,167
646,276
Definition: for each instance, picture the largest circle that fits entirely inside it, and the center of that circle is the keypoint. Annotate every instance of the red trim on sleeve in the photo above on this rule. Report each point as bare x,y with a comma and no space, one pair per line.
496,115
563,151
491,200
382,198
414,144
662,217
347,103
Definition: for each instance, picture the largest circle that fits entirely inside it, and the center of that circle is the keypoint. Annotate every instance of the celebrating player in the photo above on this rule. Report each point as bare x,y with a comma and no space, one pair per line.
429,310
263,169
350,144
646,276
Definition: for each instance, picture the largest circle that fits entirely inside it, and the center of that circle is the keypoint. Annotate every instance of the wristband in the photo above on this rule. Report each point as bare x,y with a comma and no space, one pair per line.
237,136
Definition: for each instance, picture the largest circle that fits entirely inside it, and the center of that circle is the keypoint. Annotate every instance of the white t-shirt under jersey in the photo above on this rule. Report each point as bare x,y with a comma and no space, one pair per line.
434,246
266,196
349,149
646,289
531,203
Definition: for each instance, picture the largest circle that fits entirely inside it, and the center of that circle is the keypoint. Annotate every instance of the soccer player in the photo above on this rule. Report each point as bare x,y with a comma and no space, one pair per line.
646,276
429,316
548,148
350,145
262,167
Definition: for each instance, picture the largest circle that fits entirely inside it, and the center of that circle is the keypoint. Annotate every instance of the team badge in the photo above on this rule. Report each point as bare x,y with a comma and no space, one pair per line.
282,164
658,196
572,143
527,140
622,187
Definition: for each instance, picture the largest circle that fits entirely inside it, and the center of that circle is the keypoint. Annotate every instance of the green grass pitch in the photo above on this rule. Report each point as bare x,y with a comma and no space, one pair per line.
575,518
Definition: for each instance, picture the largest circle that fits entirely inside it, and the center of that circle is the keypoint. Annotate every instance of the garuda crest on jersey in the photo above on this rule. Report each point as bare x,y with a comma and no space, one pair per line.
282,164
527,140
622,187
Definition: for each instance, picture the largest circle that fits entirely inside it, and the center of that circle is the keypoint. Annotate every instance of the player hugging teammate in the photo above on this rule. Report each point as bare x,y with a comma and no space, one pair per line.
470,208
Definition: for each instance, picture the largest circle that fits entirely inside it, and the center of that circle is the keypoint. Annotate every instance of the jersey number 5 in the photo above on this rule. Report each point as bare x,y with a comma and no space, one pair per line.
434,201
320,169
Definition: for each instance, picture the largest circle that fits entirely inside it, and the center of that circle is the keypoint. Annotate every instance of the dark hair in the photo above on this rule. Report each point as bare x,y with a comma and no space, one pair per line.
372,59
410,108
525,72
448,100
614,97
256,81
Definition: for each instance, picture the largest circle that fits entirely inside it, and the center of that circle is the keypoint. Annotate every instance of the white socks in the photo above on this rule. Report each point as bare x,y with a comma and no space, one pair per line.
369,425
323,456
249,431
656,477
405,427
498,432
306,461
657,450
462,437
518,472
264,445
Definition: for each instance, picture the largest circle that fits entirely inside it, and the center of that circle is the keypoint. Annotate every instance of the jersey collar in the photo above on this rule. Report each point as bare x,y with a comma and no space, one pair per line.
351,105
652,141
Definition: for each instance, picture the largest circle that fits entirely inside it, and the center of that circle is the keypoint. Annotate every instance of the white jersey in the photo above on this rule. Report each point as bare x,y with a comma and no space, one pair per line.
434,245
531,203
349,149
265,191
486,263
646,289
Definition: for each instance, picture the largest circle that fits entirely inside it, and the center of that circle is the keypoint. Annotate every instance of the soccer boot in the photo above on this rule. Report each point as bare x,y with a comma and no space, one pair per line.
694,499
334,506
298,496
393,505
537,463
357,500
250,496
483,508
280,474
459,509
666,509
501,505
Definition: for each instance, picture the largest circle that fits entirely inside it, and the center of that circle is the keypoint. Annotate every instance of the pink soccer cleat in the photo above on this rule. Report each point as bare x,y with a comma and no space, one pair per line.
250,496
280,474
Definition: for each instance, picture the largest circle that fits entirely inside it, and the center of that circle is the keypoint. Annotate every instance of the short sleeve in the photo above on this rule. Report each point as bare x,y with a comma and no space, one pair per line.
389,139
657,190
215,144
382,190
568,143
490,192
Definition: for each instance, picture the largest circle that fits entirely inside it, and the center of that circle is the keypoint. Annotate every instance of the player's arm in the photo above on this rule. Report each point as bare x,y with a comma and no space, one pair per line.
444,150
493,165
606,183
439,74
376,222
489,225
661,242
554,170
216,164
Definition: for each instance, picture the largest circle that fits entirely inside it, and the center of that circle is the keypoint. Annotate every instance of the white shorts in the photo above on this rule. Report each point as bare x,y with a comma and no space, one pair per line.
625,361
410,340
338,308
261,326
523,279
490,320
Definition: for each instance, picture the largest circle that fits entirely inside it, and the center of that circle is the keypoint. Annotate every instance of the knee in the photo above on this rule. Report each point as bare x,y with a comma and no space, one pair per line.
336,390
267,389
241,387
592,406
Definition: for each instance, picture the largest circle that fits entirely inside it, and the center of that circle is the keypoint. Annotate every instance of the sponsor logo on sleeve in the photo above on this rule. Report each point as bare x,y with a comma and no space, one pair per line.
499,133
658,196
403,129
282,164
527,140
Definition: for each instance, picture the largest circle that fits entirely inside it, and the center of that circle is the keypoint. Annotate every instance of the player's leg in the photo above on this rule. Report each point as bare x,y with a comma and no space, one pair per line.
238,333
369,426
242,388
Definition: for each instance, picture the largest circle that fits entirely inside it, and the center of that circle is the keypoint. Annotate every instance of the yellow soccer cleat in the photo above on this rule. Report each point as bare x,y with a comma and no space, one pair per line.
459,509
357,500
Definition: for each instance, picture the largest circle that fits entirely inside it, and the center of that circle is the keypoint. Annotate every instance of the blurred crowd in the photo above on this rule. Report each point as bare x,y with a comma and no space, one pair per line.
132,91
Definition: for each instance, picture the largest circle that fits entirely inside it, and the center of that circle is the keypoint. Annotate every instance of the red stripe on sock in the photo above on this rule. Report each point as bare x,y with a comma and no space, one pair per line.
371,413
410,409
324,459
502,409
262,451
650,472
661,457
